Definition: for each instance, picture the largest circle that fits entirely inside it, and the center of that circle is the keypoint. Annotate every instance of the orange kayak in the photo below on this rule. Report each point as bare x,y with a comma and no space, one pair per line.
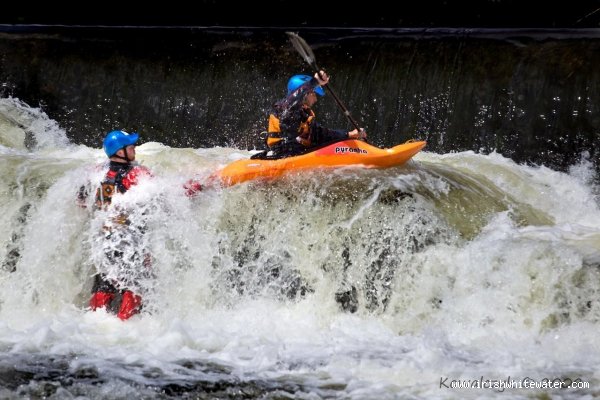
339,154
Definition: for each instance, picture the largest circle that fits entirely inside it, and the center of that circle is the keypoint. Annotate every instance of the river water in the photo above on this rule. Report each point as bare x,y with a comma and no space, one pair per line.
454,267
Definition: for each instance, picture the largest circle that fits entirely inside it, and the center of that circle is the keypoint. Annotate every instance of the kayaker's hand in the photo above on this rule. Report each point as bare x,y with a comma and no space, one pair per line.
322,78
356,134
192,188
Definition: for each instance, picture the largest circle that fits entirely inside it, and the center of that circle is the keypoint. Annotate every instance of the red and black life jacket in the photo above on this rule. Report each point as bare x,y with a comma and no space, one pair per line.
119,178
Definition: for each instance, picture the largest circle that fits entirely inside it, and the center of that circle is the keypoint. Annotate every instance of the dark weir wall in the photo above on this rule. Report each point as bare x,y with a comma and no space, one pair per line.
533,96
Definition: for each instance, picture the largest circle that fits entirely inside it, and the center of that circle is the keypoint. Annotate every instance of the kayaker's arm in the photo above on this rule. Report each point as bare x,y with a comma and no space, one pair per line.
82,196
323,134
322,79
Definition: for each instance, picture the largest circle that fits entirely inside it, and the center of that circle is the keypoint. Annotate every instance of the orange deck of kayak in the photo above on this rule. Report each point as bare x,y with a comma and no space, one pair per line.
344,153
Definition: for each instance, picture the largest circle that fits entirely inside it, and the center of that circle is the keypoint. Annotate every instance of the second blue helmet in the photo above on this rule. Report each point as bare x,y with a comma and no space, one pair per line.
298,80
116,140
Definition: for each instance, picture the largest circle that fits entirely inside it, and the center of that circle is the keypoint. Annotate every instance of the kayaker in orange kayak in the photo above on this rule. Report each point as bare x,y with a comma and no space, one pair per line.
293,129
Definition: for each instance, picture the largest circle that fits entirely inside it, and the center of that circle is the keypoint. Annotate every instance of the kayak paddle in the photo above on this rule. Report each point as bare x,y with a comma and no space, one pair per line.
307,54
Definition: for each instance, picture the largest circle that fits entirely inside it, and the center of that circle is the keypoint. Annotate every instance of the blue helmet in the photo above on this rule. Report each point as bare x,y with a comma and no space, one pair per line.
116,140
298,80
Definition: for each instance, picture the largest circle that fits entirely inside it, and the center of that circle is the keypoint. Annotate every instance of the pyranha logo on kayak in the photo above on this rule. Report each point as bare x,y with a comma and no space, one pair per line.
343,150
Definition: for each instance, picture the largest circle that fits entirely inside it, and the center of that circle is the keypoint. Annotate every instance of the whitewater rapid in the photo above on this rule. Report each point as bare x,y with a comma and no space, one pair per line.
464,267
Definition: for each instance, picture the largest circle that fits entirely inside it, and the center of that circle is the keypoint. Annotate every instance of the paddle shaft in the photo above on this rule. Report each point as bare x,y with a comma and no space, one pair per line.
342,106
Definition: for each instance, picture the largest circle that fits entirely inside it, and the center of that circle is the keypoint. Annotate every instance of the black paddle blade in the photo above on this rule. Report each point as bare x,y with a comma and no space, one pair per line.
303,48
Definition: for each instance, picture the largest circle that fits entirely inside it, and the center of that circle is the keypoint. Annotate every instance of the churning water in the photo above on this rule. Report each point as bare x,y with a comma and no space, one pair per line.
346,283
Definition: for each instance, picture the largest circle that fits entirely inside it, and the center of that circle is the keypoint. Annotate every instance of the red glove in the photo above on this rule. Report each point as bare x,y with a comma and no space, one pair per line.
192,187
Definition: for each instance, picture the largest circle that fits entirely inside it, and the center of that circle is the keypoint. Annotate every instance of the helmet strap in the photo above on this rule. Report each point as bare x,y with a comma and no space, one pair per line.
126,159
